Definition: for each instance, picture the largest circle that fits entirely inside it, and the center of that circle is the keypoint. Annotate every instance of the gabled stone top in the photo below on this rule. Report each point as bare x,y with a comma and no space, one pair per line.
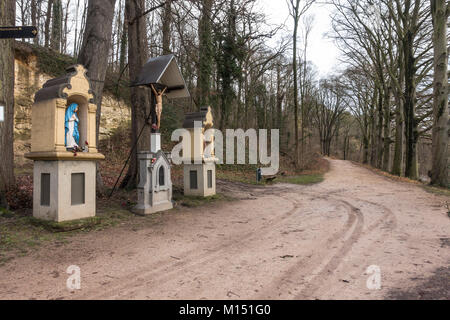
205,116
160,154
75,80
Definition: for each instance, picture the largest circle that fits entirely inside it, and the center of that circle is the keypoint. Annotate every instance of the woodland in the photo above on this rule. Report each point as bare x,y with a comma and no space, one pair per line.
385,106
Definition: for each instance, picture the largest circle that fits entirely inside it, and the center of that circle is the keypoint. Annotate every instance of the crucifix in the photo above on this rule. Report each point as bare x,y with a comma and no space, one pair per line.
163,77
158,92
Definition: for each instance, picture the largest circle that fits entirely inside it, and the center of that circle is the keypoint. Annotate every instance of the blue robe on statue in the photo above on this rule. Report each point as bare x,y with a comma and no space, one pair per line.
69,113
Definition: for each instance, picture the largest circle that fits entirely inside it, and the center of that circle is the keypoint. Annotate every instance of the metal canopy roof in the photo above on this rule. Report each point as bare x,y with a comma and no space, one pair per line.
163,70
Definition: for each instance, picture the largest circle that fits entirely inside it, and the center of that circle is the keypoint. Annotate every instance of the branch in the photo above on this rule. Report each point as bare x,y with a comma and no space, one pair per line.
147,12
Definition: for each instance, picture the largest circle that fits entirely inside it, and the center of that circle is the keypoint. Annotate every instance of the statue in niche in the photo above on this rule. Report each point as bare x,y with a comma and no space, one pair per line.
156,123
71,121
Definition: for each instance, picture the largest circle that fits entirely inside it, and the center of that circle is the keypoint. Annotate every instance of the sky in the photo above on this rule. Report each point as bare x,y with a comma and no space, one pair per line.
321,50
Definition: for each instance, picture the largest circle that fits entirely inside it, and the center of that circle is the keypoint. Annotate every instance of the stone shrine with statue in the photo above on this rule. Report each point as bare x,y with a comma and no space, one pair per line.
200,170
63,148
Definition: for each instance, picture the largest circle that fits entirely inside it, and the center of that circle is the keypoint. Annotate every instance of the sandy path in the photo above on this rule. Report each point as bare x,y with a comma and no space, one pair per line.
284,241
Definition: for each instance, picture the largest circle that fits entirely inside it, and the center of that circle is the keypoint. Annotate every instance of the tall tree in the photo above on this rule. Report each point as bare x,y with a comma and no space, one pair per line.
7,18
296,9
440,12
140,102
94,52
48,19
34,18
227,63
205,60
166,30
56,26
308,23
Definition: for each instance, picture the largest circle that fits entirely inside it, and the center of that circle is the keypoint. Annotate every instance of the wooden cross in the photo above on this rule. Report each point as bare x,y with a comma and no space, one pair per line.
14,32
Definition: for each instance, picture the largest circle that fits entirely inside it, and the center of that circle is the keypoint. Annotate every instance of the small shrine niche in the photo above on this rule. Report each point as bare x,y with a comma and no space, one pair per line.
49,112
154,190
83,118
63,147
198,143
200,170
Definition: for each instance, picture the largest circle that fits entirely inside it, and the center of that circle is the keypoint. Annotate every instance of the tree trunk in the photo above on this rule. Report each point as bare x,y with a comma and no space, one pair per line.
387,130
279,101
373,126
294,67
65,33
411,166
7,18
94,53
48,18
167,21
205,53
140,103
439,173
397,166
365,150
76,28
123,47
56,26
379,133
34,19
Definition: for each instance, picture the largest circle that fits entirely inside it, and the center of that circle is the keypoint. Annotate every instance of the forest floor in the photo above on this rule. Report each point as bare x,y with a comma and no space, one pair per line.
283,241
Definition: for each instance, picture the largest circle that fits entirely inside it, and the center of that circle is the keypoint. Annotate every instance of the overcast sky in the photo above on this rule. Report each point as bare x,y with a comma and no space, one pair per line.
321,50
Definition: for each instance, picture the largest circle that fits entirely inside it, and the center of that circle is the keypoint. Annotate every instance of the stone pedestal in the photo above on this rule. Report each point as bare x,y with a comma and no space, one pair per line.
155,185
155,142
64,190
200,179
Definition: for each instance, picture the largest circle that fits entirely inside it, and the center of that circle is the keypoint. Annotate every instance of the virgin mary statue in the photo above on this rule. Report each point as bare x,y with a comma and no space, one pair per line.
71,126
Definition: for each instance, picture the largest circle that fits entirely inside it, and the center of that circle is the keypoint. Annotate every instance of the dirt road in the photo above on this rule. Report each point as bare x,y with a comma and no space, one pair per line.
282,241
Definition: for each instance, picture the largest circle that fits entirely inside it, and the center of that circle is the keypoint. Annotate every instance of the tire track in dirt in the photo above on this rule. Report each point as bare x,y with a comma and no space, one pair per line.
315,257
190,260
354,216
319,277
386,224
317,280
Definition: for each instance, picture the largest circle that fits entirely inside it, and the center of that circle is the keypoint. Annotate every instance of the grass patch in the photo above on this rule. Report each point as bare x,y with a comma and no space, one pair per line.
302,179
438,190
21,233
429,188
237,173
87,223
237,176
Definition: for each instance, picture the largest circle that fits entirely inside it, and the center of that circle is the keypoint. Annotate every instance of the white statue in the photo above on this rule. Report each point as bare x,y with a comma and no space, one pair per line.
71,127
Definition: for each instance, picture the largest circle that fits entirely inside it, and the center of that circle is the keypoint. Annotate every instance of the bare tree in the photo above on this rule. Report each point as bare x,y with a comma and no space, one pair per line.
94,52
140,102
166,27
48,19
7,18
56,34
440,12
296,9
205,60
307,28
34,17
328,110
